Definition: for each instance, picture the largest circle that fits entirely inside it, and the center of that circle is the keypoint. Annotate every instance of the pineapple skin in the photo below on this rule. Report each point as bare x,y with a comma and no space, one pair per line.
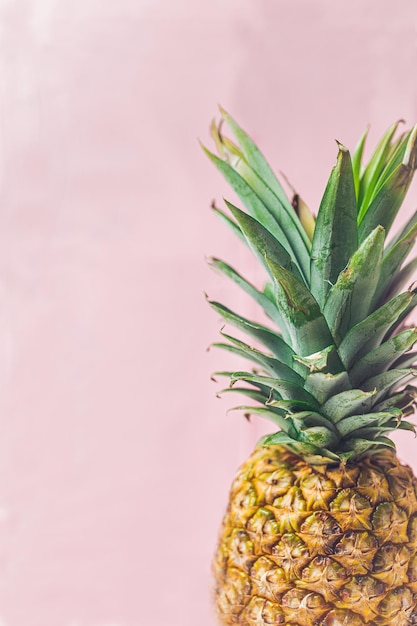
326,545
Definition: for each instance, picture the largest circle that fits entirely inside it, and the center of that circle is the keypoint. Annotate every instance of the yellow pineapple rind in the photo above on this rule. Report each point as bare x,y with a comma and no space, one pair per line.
318,546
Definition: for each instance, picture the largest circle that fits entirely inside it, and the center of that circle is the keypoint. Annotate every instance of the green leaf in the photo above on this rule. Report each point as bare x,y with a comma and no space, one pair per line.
347,403
262,243
288,390
250,199
303,212
307,419
395,256
318,436
402,233
395,157
256,160
373,432
270,365
383,356
268,414
407,360
322,386
290,406
359,446
273,366
270,339
269,291
366,335
384,207
255,170
264,389
348,425
278,438
373,169
401,280
405,425
317,361
264,302
400,322
306,325
350,299
253,394
229,223
387,382
385,442
314,455
403,400
335,236
357,161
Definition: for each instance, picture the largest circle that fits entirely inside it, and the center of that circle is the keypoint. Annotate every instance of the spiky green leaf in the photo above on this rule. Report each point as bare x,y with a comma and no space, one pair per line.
403,400
366,335
272,416
272,365
382,357
266,391
374,168
253,168
250,199
256,160
357,446
312,453
394,158
395,256
348,425
288,390
319,436
357,161
305,323
307,419
265,303
335,235
348,403
229,223
291,406
316,362
322,386
350,299
266,336
385,383
262,242
401,280
407,360
384,207
253,394
373,432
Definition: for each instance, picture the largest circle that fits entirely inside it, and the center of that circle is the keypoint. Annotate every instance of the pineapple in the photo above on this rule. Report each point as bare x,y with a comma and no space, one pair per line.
321,525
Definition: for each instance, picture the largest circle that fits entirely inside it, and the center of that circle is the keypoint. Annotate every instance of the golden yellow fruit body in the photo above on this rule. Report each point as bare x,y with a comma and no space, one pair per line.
304,545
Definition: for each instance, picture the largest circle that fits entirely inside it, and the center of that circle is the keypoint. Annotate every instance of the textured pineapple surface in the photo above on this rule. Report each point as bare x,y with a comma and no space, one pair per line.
328,545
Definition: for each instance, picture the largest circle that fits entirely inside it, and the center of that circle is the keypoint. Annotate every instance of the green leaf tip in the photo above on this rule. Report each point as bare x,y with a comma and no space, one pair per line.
335,234
410,156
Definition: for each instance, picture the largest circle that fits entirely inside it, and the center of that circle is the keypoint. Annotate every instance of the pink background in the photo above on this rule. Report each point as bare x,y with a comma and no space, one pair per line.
115,455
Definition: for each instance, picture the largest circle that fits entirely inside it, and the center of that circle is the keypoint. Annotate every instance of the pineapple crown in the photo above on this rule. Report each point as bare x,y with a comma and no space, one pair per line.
336,377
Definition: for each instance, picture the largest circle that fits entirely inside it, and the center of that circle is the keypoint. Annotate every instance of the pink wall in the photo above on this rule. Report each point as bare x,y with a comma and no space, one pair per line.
115,456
